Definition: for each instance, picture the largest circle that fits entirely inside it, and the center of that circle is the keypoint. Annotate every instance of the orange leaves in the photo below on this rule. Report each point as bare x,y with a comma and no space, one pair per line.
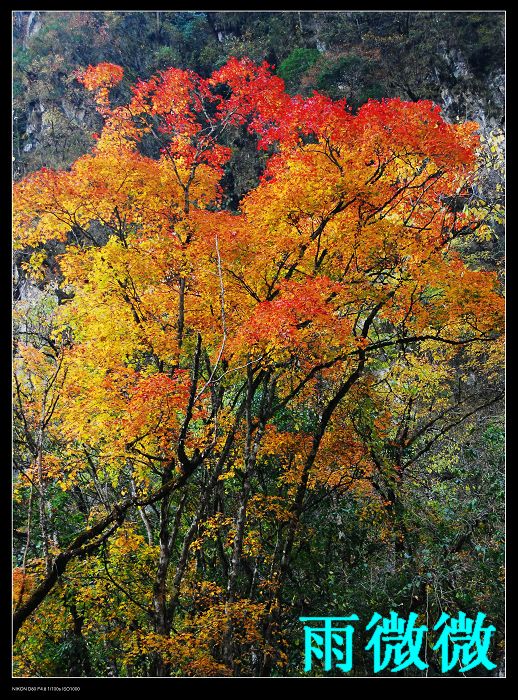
181,101
34,360
192,650
102,75
471,299
269,507
212,528
23,583
100,78
155,408
126,411
177,94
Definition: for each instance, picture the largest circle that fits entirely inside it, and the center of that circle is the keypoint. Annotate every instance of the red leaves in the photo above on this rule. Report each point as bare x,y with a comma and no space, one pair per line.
256,95
184,107
417,127
301,313
173,90
191,113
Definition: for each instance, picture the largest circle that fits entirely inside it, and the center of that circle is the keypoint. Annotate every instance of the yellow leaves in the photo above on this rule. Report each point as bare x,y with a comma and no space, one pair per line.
492,146
185,654
269,507
229,474
212,528
191,649
252,545
51,468
38,380
127,540
420,376
484,233
244,616
38,215
34,265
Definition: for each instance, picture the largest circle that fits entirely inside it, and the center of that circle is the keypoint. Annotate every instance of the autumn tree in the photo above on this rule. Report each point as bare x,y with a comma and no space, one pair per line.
210,379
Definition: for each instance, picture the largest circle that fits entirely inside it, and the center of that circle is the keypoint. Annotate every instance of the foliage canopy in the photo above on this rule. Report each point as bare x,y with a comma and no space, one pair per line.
214,382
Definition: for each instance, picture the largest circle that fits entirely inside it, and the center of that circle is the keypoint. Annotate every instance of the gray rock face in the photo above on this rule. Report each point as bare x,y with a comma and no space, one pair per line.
27,24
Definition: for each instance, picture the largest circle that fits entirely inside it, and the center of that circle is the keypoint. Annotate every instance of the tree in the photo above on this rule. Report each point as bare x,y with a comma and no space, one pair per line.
209,374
